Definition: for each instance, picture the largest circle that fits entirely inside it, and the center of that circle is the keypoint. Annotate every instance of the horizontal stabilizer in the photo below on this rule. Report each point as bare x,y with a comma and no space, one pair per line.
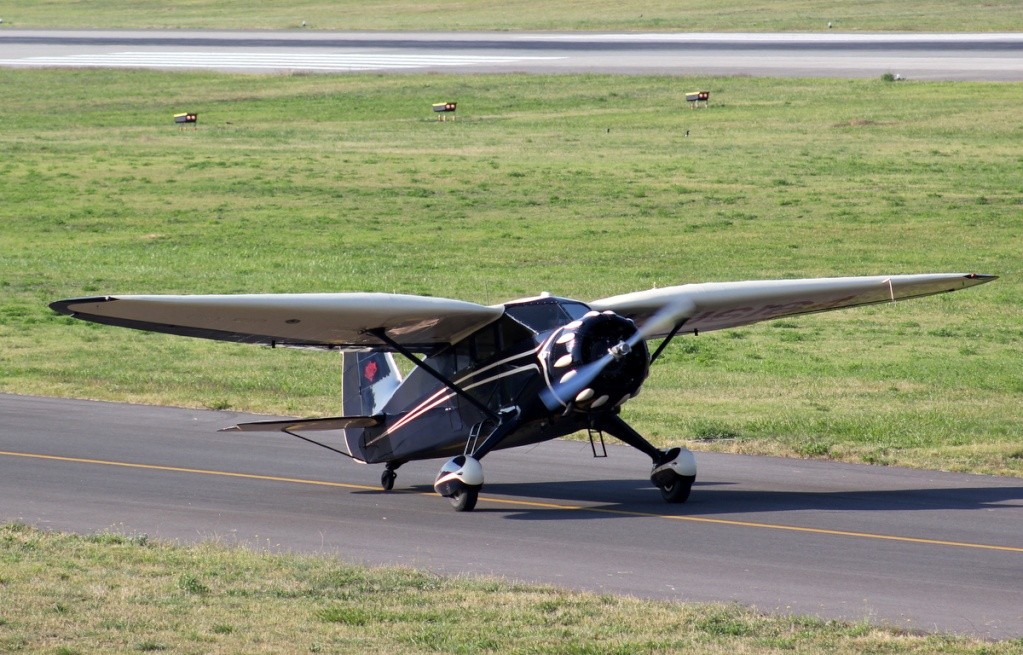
301,424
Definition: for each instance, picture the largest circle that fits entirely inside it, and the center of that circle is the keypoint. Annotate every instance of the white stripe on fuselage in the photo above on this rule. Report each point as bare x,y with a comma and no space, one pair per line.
444,394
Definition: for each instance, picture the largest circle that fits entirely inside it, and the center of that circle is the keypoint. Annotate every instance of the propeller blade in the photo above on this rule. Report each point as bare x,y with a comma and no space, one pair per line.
565,392
666,318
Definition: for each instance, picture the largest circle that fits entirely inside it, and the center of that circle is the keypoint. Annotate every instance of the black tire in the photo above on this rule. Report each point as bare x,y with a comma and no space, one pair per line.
387,479
465,500
677,491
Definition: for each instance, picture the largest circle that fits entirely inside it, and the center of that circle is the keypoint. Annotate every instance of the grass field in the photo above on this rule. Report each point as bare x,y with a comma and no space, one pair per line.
120,594
653,15
583,186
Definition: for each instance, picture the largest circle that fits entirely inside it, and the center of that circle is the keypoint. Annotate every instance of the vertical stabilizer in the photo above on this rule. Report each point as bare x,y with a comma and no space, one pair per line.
368,380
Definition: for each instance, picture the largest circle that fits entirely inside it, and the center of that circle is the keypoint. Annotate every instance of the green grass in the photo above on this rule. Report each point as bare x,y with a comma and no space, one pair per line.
653,15
584,186
111,593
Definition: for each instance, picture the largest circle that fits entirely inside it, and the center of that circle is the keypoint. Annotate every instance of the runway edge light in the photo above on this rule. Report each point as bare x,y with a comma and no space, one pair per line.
444,108
190,118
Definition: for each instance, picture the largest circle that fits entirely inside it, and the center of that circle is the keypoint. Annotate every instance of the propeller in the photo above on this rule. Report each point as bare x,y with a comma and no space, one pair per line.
562,393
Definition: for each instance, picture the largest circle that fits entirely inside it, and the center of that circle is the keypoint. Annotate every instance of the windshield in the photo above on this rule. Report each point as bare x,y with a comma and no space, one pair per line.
547,314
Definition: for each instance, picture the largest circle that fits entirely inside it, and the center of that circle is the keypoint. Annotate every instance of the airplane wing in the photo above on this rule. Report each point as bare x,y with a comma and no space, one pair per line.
328,320
718,305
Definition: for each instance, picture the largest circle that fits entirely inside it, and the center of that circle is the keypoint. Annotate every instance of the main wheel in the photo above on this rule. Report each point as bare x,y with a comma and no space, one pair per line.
465,500
677,491
387,479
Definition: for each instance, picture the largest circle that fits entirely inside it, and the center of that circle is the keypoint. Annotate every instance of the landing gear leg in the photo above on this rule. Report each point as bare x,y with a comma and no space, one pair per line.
461,478
674,471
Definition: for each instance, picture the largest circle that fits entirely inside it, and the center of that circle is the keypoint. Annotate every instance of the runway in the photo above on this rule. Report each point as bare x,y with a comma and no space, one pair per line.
985,56
913,549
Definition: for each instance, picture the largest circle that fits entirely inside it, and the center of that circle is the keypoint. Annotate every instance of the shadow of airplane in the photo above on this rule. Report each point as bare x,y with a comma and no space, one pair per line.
611,498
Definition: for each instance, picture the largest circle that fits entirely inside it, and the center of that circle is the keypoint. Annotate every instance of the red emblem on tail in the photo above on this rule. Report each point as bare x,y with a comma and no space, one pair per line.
370,370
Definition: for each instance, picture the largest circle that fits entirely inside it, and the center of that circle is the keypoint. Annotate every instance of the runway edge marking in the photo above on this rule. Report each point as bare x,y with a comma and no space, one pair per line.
529,503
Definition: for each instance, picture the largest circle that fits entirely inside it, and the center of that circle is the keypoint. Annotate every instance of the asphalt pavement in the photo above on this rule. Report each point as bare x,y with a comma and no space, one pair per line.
914,549
983,56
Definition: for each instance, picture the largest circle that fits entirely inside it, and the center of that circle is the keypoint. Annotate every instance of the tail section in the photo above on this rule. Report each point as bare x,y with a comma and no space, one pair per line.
368,380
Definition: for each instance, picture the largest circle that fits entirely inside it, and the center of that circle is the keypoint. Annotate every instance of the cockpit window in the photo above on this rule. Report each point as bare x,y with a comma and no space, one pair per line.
575,309
545,315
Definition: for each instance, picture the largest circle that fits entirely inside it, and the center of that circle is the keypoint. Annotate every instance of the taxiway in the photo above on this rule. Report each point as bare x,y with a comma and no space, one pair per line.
914,549
994,56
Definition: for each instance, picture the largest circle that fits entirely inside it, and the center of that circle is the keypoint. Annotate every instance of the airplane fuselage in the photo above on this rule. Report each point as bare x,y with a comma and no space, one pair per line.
504,367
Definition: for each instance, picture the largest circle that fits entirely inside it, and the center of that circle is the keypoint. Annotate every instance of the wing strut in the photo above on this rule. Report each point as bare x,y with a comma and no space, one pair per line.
381,334
666,341
289,426
320,444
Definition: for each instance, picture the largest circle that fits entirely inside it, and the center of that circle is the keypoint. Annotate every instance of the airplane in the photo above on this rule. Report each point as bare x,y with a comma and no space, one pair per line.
485,378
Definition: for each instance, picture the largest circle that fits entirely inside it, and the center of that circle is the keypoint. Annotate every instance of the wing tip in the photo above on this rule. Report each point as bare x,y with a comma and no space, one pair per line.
64,306
981,278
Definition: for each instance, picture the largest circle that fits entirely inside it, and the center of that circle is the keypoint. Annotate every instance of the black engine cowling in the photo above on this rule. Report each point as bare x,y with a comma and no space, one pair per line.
587,340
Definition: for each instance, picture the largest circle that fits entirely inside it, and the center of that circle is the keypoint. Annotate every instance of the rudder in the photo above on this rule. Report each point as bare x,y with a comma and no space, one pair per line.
368,380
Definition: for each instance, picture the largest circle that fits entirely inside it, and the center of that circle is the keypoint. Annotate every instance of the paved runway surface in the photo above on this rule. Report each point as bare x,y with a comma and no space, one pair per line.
914,56
915,549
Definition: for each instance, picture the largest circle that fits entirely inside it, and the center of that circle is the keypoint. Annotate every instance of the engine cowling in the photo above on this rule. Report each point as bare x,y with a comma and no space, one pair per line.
585,341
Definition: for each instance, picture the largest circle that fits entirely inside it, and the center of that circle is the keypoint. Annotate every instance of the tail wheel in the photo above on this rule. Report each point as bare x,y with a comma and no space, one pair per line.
465,499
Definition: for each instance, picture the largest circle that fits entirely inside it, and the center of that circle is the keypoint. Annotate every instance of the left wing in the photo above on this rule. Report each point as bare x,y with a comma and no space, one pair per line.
718,305
326,320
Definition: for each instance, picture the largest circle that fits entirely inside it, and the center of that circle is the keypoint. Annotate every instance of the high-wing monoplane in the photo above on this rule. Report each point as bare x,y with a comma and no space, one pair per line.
492,377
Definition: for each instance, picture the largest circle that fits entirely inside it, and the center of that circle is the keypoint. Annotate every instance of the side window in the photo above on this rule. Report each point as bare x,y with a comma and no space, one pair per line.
510,333
575,309
495,339
462,356
484,344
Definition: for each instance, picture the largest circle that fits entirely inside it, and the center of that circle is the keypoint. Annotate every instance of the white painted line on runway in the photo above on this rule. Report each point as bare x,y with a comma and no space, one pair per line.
264,61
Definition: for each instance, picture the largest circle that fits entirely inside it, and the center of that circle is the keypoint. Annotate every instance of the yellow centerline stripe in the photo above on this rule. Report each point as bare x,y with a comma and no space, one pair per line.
177,469
532,503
